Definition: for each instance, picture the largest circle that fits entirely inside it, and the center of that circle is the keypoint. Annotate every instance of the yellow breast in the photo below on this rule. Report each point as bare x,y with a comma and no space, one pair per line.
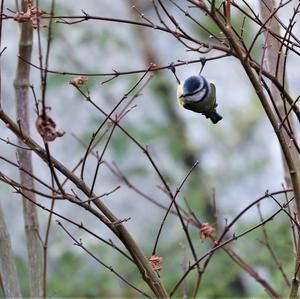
179,94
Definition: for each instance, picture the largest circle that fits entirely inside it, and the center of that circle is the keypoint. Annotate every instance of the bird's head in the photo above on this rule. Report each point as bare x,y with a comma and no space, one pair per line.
194,89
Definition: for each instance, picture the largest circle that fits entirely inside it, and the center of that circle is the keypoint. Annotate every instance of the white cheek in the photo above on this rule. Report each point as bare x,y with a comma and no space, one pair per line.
196,97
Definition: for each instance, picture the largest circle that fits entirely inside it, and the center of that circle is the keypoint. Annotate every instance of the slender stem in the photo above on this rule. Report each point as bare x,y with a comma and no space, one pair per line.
270,248
45,245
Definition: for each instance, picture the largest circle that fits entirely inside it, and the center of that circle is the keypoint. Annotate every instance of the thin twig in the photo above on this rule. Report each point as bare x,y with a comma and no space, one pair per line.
270,248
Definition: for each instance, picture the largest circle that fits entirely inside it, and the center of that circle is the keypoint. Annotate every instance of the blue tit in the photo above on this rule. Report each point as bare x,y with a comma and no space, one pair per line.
196,94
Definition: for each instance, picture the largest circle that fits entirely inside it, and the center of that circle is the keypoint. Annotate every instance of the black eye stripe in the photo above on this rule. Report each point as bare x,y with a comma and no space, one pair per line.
205,87
192,93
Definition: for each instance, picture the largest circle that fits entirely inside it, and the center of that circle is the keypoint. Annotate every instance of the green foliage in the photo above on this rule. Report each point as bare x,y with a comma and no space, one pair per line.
23,276
75,273
88,278
56,81
85,280
119,145
279,236
104,38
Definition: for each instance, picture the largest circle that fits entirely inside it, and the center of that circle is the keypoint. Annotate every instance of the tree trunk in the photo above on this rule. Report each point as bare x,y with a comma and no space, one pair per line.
8,272
34,244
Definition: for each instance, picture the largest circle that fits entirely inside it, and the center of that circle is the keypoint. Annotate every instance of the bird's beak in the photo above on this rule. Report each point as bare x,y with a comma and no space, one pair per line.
182,96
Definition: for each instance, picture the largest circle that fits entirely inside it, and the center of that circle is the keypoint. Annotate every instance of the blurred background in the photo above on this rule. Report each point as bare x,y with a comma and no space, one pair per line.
239,158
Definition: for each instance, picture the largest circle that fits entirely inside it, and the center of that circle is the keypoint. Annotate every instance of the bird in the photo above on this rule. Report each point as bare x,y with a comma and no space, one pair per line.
196,94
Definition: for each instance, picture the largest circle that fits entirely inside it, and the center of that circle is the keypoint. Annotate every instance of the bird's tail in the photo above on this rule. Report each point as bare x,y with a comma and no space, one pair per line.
215,117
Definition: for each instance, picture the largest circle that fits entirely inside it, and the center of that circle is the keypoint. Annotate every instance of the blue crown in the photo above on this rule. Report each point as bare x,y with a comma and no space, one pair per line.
192,83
